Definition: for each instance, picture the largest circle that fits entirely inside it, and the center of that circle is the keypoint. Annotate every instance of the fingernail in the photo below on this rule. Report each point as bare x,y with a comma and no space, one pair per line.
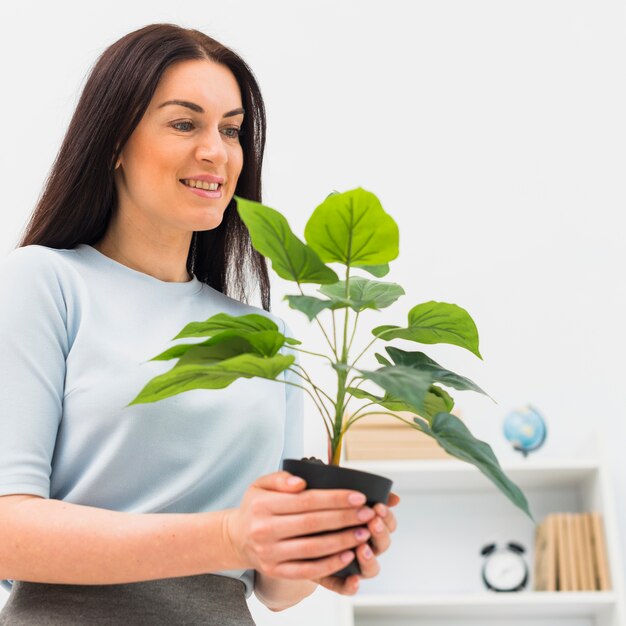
346,557
378,525
382,510
367,552
361,533
365,514
294,480
356,498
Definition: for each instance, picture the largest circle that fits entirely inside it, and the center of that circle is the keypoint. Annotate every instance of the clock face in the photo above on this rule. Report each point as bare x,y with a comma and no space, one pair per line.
504,570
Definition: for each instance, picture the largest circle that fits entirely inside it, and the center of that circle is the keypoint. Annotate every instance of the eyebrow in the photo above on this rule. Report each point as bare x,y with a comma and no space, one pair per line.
197,108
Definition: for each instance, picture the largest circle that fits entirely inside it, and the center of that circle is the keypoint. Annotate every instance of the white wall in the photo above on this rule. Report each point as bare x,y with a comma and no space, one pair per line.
493,131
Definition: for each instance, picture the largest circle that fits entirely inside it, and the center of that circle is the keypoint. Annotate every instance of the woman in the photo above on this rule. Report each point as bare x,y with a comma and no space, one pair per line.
172,512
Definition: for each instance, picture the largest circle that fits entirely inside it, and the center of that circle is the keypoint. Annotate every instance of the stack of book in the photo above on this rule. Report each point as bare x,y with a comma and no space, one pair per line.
570,553
381,437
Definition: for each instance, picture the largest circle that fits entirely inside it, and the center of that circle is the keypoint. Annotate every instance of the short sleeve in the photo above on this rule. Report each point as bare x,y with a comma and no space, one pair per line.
294,418
33,350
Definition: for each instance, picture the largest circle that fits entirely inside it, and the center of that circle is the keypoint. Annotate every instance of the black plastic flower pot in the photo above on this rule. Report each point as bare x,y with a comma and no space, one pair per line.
319,475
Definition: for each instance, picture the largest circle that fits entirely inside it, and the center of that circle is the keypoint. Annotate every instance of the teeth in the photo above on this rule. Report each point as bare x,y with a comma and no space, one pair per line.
199,184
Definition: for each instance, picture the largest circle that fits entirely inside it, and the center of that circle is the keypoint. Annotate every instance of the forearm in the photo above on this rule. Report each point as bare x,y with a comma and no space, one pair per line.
278,594
52,541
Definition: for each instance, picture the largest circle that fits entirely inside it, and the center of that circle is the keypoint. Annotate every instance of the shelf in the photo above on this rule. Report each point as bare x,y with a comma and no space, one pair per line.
525,604
451,475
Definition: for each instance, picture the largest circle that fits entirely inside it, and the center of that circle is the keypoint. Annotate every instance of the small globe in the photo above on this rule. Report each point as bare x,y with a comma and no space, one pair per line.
526,429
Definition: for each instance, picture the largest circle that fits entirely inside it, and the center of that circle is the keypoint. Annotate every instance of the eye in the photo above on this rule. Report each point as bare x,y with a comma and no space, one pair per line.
238,132
177,124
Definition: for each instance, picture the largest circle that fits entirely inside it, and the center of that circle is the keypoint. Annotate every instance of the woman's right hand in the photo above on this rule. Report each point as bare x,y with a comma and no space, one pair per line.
266,531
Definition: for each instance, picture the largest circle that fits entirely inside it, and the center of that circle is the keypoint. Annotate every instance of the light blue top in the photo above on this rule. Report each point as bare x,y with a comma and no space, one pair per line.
76,332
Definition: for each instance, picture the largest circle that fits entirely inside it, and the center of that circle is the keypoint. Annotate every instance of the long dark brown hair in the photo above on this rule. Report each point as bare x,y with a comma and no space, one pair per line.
79,195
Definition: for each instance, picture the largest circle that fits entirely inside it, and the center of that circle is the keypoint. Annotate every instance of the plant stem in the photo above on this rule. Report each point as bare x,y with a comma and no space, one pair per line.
354,417
321,327
324,356
315,387
342,374
364,351
334,331
356,319
312,398
384,413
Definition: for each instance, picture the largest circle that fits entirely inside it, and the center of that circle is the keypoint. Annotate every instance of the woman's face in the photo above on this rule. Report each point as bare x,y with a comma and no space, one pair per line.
175,142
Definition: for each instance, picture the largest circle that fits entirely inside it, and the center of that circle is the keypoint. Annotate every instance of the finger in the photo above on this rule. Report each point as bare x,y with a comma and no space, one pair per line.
388,516
316,500
346,586
393,499
367,561
317,568
320,546
310,523
381,538
280,481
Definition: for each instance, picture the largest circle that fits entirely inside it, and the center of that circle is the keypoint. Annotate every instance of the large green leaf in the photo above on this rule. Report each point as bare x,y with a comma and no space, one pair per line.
230,342
436,322
455,438
309,305
402,383
353,228
423,363
195,374
223,321
272,237
363,293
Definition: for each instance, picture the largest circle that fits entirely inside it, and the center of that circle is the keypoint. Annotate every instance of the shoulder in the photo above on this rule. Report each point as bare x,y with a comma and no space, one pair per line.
34,270
36,258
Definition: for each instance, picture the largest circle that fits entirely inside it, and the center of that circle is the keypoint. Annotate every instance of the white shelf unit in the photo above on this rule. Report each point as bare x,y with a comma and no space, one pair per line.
448,511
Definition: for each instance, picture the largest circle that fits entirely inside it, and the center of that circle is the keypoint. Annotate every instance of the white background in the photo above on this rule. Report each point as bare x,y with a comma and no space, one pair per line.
492,131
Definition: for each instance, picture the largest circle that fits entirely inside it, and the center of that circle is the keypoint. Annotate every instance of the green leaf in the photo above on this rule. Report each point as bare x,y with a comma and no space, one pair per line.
223,321
271,236
402,383
455,438
435,401
352,228
195,374
308,305
363,293
421,362
382,360
436,322
376,270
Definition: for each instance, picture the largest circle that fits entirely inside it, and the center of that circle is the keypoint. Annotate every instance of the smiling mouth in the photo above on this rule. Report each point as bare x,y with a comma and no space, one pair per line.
204,193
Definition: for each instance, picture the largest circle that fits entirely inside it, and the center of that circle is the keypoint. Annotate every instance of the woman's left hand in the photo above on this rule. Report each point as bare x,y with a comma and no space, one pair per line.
380,527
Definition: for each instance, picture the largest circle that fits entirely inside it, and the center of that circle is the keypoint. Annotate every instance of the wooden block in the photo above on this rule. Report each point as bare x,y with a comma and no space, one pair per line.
394,436
600,555
362,452
540,557
571,539
550,558
588,547
563,553
381,436
581,574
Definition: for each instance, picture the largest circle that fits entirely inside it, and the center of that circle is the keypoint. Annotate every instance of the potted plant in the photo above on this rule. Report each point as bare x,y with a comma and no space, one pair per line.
353,230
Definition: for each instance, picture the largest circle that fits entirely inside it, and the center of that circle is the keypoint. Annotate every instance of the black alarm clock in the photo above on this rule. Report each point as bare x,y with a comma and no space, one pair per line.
505,568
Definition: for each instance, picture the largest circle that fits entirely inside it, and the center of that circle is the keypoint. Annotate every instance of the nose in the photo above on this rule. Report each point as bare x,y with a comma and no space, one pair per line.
211,147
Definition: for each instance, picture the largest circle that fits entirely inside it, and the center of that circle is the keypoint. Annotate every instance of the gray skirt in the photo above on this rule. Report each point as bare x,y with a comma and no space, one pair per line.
204,599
